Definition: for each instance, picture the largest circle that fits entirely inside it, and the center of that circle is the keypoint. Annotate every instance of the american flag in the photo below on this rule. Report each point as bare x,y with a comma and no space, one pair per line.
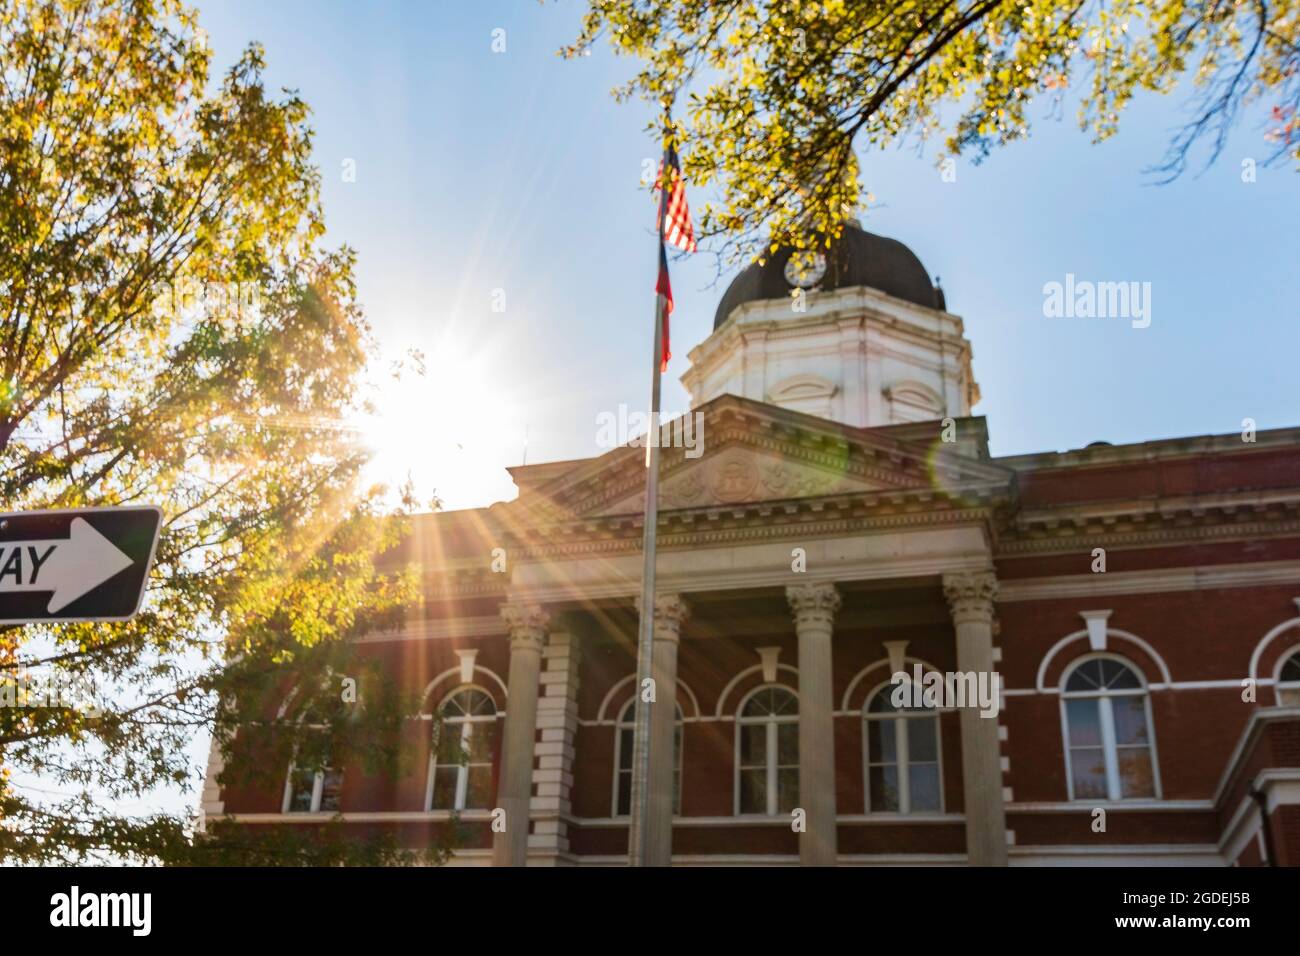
674,224
677,230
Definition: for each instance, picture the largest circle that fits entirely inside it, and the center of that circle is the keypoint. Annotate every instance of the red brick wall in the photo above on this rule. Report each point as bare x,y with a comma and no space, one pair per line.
1201,635
1170,477
413,664
1122,827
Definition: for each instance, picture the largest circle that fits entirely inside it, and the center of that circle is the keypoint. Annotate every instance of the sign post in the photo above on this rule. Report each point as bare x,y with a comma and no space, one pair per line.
80,564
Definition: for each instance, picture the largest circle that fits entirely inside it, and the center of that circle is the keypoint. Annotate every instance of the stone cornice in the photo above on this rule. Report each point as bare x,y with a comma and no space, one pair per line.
1145,452
850,302
1153,581
776,578
1274,573
1143,531
731,524
480,581
819,517
760,522
1230,506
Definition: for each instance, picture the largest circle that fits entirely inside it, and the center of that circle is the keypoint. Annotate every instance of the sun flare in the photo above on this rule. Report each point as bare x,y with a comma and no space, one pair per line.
452,429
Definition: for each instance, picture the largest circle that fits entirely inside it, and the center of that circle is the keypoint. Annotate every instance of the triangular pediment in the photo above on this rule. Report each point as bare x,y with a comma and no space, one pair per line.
747,451
740,474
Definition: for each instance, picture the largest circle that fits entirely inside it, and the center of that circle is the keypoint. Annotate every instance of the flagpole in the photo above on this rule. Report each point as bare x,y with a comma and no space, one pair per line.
639,829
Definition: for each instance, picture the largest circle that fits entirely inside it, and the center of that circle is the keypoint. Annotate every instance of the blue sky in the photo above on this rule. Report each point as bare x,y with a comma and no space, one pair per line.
479,171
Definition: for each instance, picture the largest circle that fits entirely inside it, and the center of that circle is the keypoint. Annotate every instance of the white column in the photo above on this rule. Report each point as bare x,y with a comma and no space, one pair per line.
814,607
527,624
671,613
970,600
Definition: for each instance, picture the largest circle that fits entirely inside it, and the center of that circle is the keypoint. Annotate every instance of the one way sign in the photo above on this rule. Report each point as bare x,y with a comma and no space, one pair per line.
85,564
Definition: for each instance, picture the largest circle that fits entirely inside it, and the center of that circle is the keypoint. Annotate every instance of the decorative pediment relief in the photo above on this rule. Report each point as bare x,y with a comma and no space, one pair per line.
739,475
754,452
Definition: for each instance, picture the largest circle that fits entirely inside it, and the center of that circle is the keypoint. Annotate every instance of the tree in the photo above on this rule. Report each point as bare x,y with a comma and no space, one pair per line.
781,94
174,332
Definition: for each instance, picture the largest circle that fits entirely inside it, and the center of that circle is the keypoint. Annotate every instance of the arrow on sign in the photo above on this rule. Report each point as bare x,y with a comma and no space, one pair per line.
70,567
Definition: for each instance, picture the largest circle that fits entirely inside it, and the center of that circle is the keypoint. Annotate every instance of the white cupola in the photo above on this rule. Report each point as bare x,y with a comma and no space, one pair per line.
858,335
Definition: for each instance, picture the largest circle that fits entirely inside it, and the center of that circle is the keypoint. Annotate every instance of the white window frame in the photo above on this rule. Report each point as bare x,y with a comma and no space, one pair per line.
317,787
903,763
462,769
627,720
1290,688
1106,724
770,766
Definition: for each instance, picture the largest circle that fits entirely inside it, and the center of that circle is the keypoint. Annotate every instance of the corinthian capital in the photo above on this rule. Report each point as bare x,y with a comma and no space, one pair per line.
970,595
671,612
813,604
527,623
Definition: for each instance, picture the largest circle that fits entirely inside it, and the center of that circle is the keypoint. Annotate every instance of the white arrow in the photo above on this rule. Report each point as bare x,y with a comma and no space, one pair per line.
70,567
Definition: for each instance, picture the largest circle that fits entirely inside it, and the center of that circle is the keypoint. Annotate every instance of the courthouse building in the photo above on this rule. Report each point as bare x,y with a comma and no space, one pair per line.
1139,604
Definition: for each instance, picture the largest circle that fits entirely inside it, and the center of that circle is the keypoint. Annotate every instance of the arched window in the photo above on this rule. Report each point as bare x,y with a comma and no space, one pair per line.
460,766
902,760
1109,746
767,752
1288,681
623,749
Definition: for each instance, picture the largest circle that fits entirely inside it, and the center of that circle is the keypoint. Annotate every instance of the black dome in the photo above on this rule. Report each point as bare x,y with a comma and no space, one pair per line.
857,258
